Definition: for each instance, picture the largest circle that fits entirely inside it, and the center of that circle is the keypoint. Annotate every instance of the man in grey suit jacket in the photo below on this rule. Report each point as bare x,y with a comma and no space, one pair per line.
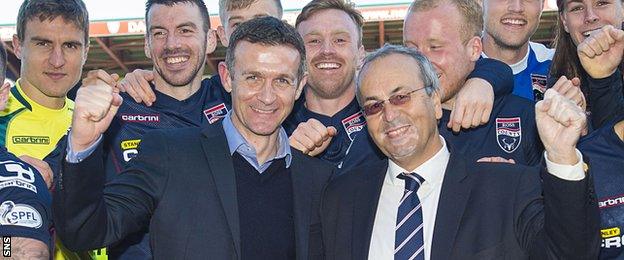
231,191
426,201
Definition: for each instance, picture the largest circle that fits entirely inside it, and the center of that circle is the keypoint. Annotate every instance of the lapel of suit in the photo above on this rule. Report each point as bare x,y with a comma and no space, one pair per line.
365,209
218,155
302,199
453,198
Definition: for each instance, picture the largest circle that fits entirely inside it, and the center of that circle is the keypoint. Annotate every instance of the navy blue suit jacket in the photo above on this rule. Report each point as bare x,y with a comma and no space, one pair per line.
486,211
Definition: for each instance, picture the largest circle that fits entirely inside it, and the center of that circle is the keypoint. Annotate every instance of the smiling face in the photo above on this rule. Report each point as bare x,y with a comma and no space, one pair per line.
233,18
264,87
177,43
334,51
52,54
581,17
407,133
436,33
511,23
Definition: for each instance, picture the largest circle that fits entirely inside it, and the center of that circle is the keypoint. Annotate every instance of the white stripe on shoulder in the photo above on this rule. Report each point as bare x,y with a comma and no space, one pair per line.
542,53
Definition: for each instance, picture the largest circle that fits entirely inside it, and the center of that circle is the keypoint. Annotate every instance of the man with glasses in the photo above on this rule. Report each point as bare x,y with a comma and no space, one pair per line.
453,45
429,201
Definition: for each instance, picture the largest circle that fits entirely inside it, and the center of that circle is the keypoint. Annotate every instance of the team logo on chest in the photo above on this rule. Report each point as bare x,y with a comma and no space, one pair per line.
538,82
353,124
214,114
508,133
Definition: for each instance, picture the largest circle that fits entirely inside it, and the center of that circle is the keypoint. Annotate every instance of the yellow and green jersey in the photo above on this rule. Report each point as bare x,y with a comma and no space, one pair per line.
27,127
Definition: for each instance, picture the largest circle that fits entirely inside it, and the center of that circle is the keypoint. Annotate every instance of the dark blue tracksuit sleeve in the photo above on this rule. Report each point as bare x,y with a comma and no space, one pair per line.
89,215
495,72
606,98
25,203
562,222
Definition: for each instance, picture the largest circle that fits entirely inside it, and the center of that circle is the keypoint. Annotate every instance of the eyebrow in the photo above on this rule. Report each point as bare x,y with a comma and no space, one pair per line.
189,24
156,27
394,91
251,72
409,42
317,33
565,4
41,39
238,17
287,76
435,41
259,73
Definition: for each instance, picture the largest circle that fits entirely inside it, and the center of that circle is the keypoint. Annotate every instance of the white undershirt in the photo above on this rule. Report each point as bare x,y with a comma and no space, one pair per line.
382,241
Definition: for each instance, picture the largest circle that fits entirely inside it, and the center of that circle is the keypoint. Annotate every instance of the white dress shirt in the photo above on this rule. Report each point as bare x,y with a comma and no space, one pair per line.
432,170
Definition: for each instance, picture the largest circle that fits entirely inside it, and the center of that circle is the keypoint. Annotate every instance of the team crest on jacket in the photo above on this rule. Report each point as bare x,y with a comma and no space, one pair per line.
508,133
214,114
353,124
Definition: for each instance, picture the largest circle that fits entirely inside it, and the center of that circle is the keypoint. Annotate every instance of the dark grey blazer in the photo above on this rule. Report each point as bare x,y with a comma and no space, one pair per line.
183,186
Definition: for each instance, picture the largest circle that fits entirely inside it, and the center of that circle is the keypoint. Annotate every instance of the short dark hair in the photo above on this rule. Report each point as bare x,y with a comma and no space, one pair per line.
3,62
73,11
316,6
266,31
229,5
199,3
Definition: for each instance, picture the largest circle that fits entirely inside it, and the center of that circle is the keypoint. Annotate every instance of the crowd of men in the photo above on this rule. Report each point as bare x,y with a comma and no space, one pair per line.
468,141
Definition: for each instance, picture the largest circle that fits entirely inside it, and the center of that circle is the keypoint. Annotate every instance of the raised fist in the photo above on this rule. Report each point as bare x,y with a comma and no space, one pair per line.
97,102
560,123
601,53
312,137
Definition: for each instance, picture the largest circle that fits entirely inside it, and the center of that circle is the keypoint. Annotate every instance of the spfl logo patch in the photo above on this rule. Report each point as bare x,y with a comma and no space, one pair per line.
353,124
214,114
12,214
508,133
538,82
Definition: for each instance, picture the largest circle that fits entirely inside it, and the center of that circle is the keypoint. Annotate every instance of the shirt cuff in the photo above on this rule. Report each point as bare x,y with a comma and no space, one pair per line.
78,156
566,172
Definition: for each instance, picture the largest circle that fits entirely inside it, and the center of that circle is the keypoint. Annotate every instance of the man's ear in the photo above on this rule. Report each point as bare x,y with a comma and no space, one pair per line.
301,85
224,74
437,104
86,54
17,46
211,41
475,47
361,56
222,37
146,48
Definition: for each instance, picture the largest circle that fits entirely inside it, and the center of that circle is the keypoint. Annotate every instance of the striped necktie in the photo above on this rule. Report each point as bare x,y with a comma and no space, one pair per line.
408,242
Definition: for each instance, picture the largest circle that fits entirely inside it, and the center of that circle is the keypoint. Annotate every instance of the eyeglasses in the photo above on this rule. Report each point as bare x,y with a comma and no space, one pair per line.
397,100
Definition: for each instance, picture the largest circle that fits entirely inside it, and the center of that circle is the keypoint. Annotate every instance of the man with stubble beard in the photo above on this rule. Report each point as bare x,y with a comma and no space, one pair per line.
327,117
177,41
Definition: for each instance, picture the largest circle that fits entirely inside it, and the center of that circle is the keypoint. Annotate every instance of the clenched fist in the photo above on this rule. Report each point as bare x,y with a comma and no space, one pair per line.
312,137
601,53
97,102
560,123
